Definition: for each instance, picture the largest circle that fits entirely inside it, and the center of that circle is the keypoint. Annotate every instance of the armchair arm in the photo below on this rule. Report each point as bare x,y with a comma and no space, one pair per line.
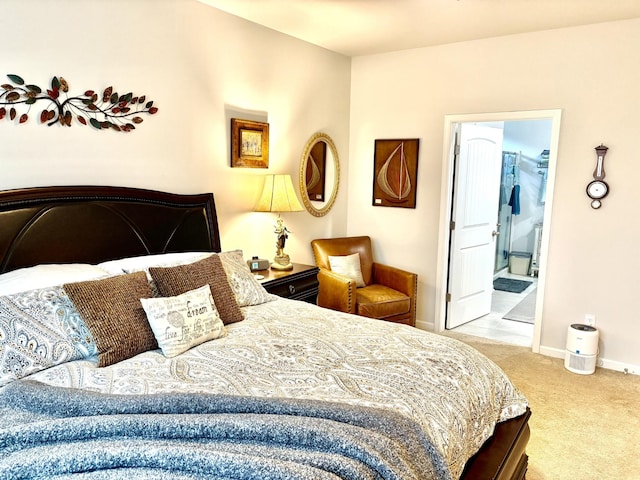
392,277
336,291
402,281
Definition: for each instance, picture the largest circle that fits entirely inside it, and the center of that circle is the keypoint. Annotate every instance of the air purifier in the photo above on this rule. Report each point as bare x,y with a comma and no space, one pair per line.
582,349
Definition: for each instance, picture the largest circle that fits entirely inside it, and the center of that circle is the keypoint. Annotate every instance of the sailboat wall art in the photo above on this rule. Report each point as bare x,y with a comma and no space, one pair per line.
395,173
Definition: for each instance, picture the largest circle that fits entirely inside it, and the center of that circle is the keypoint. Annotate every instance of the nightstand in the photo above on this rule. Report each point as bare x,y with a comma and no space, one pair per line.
301,283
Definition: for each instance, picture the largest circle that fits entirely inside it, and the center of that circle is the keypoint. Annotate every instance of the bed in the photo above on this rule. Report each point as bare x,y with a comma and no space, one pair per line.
258,387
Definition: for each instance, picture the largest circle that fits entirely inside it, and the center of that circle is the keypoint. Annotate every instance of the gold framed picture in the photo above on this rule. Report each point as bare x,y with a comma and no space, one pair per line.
395,173
249,144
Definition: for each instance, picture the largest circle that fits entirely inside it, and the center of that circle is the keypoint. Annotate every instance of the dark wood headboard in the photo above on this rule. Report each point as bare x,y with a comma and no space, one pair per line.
91,224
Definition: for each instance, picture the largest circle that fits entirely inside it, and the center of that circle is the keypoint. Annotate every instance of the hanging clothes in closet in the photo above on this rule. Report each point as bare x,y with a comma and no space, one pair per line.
514,200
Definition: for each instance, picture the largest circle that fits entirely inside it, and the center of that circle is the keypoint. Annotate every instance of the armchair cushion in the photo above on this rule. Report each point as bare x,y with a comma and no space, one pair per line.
349,266
378,301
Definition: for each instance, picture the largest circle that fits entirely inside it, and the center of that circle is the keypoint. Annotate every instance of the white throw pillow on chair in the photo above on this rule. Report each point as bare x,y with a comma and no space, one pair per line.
349,266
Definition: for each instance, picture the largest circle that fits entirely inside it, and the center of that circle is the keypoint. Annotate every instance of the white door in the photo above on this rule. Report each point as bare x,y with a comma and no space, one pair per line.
474,217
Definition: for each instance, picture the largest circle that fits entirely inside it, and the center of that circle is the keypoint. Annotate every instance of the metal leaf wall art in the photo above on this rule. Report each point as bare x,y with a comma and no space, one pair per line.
109,111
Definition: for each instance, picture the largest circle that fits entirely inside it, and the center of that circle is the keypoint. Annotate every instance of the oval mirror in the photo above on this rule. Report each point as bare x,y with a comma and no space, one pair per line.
319,174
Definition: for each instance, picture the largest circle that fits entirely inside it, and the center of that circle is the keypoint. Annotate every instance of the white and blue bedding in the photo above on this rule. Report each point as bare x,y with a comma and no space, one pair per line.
291,391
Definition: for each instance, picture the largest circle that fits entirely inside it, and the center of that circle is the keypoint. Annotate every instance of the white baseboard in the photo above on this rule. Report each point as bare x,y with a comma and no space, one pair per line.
552,352
601,362
626,368
428,326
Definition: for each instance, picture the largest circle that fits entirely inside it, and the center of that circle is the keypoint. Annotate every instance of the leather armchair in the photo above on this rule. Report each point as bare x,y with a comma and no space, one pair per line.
389,293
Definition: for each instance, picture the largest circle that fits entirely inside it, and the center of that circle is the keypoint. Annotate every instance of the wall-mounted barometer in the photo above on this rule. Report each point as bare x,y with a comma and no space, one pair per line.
598,188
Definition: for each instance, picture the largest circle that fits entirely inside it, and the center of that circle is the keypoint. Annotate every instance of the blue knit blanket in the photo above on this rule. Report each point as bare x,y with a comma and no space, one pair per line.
53,432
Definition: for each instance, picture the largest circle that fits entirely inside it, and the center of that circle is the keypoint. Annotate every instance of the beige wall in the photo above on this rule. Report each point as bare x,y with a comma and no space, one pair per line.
592,74
197,64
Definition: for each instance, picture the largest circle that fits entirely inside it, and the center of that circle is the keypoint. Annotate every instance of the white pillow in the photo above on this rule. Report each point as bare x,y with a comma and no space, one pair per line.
48,275
184,321
143,262
349,266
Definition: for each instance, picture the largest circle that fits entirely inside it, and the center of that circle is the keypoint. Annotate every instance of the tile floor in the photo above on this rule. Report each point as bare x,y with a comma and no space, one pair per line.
493,326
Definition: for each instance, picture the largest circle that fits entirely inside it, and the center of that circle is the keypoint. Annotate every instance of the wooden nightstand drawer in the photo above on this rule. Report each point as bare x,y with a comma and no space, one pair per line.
301,283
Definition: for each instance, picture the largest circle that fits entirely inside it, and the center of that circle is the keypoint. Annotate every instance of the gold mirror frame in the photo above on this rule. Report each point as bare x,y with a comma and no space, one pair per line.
319,137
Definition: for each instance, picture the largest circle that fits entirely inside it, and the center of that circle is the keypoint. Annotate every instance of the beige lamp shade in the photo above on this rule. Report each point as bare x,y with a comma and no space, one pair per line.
278,195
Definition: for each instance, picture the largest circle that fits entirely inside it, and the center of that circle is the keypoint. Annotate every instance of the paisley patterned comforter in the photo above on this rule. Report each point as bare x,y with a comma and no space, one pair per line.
287,349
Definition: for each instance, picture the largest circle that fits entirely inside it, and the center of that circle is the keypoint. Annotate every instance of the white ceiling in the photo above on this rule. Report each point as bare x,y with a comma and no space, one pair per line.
363,27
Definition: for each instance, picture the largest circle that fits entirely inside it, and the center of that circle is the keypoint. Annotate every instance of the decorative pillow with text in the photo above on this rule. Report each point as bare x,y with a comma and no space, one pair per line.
184,321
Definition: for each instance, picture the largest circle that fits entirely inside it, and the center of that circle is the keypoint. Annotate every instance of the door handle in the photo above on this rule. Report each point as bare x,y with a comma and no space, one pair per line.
495,234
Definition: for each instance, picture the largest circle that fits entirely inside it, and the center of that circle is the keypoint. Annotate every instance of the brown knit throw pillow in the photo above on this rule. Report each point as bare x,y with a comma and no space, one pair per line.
113,313
174,281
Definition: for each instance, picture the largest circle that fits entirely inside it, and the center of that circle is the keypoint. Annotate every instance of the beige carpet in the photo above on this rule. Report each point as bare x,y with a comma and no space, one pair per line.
583,427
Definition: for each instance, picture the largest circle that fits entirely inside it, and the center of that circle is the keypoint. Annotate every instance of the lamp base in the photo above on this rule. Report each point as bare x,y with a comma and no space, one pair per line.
282,262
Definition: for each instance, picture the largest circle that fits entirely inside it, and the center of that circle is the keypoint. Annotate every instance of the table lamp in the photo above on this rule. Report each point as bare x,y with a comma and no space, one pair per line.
278,196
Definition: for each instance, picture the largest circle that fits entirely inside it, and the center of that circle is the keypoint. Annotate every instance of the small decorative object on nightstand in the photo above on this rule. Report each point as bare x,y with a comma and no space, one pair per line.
299,283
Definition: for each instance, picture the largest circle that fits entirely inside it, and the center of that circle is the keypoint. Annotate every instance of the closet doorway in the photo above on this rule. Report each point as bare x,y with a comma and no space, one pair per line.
449,279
